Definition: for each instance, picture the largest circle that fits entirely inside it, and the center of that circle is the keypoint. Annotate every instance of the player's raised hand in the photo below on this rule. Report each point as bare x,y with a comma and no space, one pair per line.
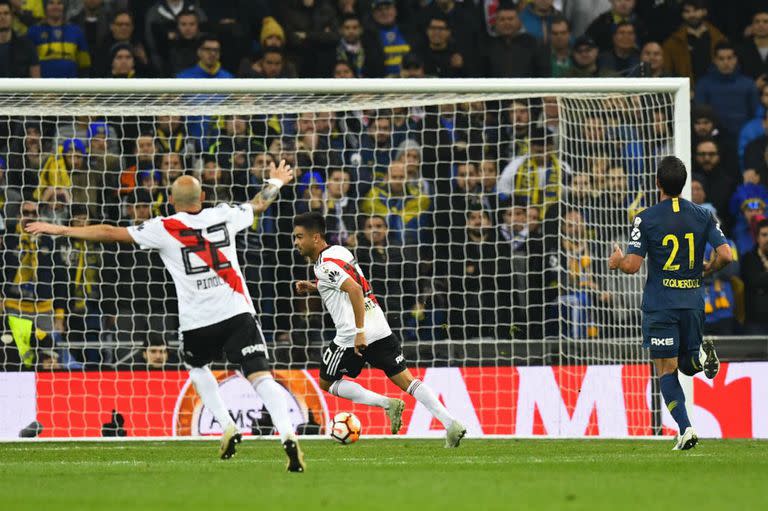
305,287
616,257
282,172
360,344
44,228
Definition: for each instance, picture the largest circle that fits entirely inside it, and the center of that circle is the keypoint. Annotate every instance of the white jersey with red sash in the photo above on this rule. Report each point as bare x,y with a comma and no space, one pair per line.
335,265
198,249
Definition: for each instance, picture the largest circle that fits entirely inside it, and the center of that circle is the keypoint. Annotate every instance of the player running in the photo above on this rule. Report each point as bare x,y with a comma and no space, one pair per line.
362,332
216,313
674,234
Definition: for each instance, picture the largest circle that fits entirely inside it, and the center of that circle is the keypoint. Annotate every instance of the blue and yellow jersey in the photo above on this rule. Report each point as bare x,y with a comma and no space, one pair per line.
673,234
539,183
402,212
80,269
395,47
62,50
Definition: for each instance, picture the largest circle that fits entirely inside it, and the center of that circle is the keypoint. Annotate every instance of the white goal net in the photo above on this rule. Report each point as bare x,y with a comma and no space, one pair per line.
481,211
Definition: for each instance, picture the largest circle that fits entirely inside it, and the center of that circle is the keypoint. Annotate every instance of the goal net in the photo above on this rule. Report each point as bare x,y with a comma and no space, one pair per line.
481,211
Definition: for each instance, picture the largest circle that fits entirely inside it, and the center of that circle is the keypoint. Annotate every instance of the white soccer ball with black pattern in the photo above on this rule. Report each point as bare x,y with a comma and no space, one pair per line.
345,428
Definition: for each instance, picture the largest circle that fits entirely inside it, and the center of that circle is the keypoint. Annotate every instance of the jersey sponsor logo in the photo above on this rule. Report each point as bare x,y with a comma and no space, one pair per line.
635,234
681,283
662,341
399,359
635,244
253,348
333,276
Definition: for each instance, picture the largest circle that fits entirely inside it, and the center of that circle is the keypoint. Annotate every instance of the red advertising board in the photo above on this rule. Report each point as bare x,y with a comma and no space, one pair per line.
571,401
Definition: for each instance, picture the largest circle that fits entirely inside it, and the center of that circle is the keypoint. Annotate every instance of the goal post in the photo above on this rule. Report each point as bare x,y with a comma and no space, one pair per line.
481,210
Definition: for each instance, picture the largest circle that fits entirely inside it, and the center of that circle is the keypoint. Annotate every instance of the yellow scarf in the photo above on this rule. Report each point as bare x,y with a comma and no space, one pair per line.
527,181
85,273
54,174
27,271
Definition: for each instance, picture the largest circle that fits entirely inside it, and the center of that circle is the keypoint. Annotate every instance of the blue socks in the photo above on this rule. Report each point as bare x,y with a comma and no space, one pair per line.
689,364
675,399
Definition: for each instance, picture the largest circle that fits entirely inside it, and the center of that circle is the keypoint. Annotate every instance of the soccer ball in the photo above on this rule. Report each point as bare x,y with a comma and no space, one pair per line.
345,428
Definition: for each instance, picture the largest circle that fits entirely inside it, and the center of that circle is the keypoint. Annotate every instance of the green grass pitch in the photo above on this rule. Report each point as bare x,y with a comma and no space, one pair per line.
392,475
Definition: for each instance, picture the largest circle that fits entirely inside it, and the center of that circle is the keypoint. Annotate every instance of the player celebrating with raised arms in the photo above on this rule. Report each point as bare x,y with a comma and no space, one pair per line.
216,314
362,332
674,234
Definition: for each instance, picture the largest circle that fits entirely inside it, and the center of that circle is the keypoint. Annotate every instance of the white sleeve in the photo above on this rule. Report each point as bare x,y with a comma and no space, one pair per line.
149,234
240,216
331,274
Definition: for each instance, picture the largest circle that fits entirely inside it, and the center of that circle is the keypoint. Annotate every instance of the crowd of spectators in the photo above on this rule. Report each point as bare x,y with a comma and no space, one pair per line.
476,220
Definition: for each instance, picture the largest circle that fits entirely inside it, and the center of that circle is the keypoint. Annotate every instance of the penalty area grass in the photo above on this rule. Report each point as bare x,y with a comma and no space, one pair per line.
388,474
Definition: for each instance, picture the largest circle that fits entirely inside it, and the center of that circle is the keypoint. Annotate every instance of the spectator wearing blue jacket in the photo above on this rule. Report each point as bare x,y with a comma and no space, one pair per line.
755,159
731,94
754,128
209,65
537,18
748,207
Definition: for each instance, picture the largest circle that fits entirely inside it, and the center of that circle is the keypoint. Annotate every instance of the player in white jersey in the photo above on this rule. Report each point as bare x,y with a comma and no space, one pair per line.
216,314
362,332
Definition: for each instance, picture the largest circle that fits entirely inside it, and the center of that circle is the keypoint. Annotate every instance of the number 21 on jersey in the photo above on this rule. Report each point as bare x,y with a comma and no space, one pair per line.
675,242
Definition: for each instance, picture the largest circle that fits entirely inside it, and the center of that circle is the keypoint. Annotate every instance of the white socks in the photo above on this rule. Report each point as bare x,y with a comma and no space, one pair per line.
425,396
358,394
273,396
208,389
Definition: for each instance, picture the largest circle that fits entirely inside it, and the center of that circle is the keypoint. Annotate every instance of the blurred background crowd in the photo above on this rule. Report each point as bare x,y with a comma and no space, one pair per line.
481,220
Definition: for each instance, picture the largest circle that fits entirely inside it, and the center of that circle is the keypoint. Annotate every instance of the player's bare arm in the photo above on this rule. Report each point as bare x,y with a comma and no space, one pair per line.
629,263
101,232
723,257
305,287
278,177
357,299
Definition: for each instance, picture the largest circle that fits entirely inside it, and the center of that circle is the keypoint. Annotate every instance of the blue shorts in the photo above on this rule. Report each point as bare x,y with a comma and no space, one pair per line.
673,333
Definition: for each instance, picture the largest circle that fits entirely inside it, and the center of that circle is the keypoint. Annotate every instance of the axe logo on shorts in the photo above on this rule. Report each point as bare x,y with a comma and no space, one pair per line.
253,348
